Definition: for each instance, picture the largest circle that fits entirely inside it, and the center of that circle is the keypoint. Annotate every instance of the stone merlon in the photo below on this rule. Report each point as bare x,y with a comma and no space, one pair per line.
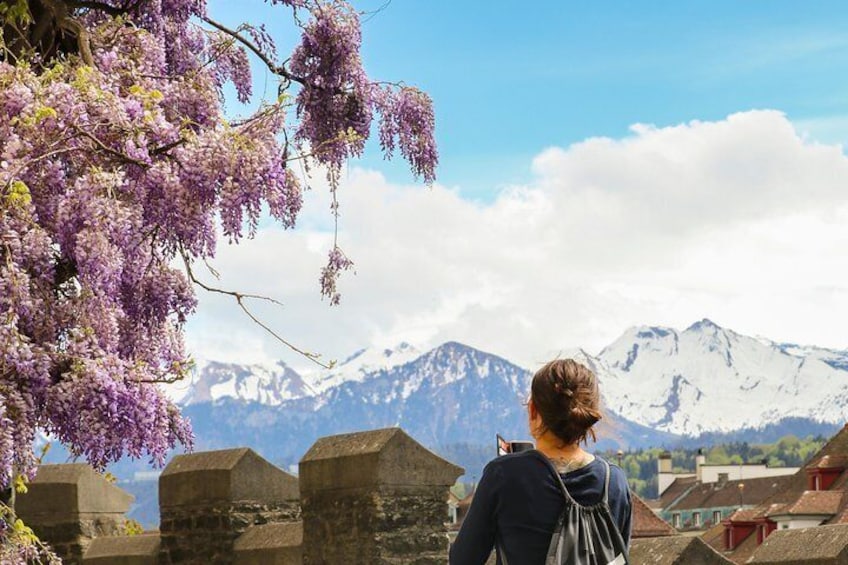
224,475
387,457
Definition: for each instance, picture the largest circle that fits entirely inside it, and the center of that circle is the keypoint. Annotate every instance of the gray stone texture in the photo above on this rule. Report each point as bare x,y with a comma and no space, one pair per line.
374,497
124,550
208,499
69,505
270,544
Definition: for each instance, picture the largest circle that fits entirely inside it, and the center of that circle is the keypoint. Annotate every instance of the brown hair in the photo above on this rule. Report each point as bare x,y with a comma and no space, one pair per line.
566,396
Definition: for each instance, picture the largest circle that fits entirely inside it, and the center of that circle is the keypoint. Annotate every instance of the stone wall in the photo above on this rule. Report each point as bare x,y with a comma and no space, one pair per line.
206,534
207,500
70,505
373,498
271,544
124,550
71,537
381,525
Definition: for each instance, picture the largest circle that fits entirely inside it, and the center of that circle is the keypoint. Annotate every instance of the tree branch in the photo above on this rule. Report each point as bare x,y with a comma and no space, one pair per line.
167,147
102,7
83,39
240,298
279,70
109,150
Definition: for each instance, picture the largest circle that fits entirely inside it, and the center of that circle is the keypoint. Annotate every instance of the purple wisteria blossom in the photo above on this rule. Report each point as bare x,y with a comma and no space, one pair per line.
117,164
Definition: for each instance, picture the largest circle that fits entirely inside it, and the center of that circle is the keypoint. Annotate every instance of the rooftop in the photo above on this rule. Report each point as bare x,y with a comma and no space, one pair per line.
822,544
646,523
826,502
715,495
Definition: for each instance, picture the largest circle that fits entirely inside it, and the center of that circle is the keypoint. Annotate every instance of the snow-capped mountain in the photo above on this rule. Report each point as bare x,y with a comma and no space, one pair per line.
704,379
710,379
364,362
266,384
453,394
273,384
660,387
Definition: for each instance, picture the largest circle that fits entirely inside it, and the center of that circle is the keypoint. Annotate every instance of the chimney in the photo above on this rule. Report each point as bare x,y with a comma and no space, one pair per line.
664,462
665,476
700,460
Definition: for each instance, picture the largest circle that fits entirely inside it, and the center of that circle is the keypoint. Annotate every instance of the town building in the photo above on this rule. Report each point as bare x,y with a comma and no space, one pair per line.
699,500
703,505
710,473
815,495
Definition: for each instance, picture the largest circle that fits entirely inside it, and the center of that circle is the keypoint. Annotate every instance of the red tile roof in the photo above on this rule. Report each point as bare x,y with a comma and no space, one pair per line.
823,544
745,515
683,550
676,489
834,461
646,524
714,537
744,550
797,484
795,499
715,495
822,502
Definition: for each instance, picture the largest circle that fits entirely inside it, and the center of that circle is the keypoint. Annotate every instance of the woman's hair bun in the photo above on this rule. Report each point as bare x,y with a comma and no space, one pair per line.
566,395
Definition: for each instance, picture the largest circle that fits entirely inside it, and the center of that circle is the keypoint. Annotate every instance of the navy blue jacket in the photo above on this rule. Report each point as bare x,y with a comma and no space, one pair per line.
517,504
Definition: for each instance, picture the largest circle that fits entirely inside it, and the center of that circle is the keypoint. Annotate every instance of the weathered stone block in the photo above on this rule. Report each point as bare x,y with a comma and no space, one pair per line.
208,499
270,544
60,492
374,497
380,457
69,505
224,475
123,550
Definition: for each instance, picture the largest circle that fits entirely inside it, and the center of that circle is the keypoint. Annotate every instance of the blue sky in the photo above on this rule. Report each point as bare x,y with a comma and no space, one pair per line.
509,81
557,221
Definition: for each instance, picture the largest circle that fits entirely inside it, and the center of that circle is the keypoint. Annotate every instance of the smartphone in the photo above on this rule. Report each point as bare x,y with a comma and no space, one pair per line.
513,446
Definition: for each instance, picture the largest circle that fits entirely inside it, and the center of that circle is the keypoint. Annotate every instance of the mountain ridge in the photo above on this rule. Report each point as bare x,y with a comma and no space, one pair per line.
704,379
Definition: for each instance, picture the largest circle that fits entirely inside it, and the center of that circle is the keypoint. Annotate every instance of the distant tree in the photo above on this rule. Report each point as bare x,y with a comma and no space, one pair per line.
718,455
640,466
117,163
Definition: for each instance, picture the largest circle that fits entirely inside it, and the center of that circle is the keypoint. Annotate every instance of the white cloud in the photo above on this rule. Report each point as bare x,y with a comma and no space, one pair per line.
741,220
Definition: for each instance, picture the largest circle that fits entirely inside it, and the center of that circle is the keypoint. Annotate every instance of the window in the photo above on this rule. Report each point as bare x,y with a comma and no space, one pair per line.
696,519
716,516
675,519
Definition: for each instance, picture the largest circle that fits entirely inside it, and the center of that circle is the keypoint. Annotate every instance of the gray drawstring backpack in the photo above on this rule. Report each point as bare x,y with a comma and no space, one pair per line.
584,535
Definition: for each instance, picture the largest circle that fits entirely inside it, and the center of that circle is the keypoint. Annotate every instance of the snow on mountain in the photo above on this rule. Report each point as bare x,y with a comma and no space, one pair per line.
361,364
710,379
704,379
266,384
451,395
452,362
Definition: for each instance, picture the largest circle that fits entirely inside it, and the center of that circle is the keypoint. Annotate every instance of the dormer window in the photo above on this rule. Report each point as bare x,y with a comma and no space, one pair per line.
822,473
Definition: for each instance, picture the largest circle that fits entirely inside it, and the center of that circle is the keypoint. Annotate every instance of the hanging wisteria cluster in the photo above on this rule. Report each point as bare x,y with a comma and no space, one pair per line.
116,162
